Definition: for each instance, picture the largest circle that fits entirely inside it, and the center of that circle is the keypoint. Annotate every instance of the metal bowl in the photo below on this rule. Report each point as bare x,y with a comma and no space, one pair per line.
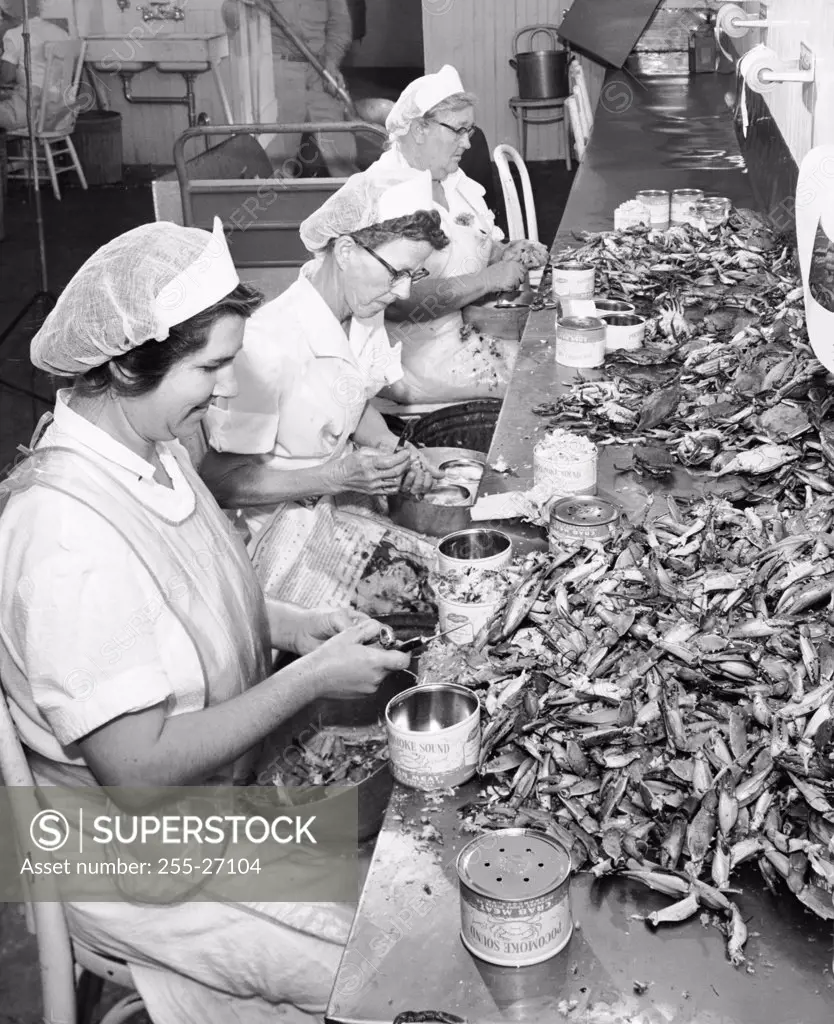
465,470
505,322
437,520
449,496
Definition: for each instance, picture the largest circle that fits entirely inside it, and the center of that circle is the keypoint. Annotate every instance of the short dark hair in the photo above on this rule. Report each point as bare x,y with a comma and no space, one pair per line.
421,226
143,368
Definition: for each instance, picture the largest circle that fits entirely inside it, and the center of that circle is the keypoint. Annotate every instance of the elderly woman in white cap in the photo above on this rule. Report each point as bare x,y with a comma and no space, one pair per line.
429,129
133,631
301,426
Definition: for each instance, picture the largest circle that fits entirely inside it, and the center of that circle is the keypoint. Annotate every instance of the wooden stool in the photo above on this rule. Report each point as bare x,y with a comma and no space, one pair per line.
554,113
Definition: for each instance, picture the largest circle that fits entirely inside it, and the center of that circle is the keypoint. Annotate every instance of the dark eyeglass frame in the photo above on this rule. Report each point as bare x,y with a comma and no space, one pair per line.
396,275
459,132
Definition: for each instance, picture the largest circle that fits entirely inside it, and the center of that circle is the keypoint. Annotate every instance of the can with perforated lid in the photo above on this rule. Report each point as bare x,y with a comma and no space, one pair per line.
515,897
582,517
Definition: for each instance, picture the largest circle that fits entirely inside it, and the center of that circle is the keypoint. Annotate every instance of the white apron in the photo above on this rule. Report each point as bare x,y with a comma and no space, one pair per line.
438,364
200,962
815,208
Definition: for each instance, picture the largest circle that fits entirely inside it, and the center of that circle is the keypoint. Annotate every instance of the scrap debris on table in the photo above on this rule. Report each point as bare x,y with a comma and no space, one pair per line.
663,704
331,756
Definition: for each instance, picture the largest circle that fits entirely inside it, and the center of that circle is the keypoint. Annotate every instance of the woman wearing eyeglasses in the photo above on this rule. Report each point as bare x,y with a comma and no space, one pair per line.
429,130
301,426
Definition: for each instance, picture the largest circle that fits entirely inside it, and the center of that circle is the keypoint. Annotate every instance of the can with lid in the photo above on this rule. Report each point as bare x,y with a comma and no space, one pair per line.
658,203
580,341
582,517
515,897
572,280
683,204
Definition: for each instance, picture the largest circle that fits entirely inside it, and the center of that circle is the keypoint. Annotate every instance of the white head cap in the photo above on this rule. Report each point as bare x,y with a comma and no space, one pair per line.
133,290
363,201
420,96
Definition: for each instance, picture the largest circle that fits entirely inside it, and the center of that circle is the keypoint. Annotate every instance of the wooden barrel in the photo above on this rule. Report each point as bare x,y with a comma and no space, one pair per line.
98,141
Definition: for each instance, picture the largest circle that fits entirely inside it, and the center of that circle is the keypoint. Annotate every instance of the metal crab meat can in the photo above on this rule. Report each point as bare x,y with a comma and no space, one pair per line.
573,280
624,331
684,201
658,202
514,897
566,465
580,341
582,517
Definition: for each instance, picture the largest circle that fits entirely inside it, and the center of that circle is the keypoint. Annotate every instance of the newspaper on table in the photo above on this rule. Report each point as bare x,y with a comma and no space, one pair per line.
318,556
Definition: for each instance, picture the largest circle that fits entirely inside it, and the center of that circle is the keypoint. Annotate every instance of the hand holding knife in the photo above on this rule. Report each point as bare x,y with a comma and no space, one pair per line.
387,640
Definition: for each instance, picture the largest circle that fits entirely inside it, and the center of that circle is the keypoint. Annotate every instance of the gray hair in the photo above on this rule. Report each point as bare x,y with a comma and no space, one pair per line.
451,105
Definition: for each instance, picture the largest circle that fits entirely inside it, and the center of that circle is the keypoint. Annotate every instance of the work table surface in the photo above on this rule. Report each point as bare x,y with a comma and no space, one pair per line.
405,952
664,133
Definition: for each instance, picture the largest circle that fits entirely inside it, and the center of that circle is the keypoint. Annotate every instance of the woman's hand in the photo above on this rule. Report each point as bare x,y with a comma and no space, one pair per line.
347,665
504,276
369,471
320,624
421,476
529,254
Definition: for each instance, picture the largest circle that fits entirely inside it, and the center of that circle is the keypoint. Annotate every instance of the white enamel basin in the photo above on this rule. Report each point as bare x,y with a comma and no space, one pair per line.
141,48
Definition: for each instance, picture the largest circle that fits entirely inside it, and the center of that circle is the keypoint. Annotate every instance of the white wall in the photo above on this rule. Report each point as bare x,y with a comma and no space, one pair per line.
803,113
476,36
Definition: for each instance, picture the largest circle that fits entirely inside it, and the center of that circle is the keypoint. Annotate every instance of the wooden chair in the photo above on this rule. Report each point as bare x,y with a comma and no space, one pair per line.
55,118
552,111
502,155
72,974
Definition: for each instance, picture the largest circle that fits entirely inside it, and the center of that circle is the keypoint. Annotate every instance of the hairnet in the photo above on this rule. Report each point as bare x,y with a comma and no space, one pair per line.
421,95
133,290
365,200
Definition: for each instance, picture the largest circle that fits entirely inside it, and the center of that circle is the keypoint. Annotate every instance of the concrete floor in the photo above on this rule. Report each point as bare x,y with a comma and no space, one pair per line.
74,228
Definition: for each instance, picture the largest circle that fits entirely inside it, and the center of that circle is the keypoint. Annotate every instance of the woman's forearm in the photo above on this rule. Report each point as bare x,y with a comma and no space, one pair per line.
286,622
148,749
372,430
244,481
436,296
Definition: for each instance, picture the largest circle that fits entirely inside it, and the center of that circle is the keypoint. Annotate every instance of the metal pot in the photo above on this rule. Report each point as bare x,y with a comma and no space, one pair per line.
542,74
503,322
438,520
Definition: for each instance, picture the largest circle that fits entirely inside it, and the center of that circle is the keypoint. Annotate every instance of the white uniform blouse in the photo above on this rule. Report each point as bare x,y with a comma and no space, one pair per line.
84,636
303,383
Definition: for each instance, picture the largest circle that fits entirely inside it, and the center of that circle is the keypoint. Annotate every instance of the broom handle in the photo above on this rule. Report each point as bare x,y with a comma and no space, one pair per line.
283,24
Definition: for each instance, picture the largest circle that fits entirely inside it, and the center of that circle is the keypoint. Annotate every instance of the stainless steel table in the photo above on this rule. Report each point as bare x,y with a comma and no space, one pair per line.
649,133
405,953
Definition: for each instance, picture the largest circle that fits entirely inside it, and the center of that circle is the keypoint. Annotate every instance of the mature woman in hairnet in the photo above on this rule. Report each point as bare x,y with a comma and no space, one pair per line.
429,129
134,637
301,425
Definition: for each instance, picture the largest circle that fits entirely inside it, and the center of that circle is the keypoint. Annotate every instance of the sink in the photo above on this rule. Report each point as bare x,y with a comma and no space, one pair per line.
139,49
